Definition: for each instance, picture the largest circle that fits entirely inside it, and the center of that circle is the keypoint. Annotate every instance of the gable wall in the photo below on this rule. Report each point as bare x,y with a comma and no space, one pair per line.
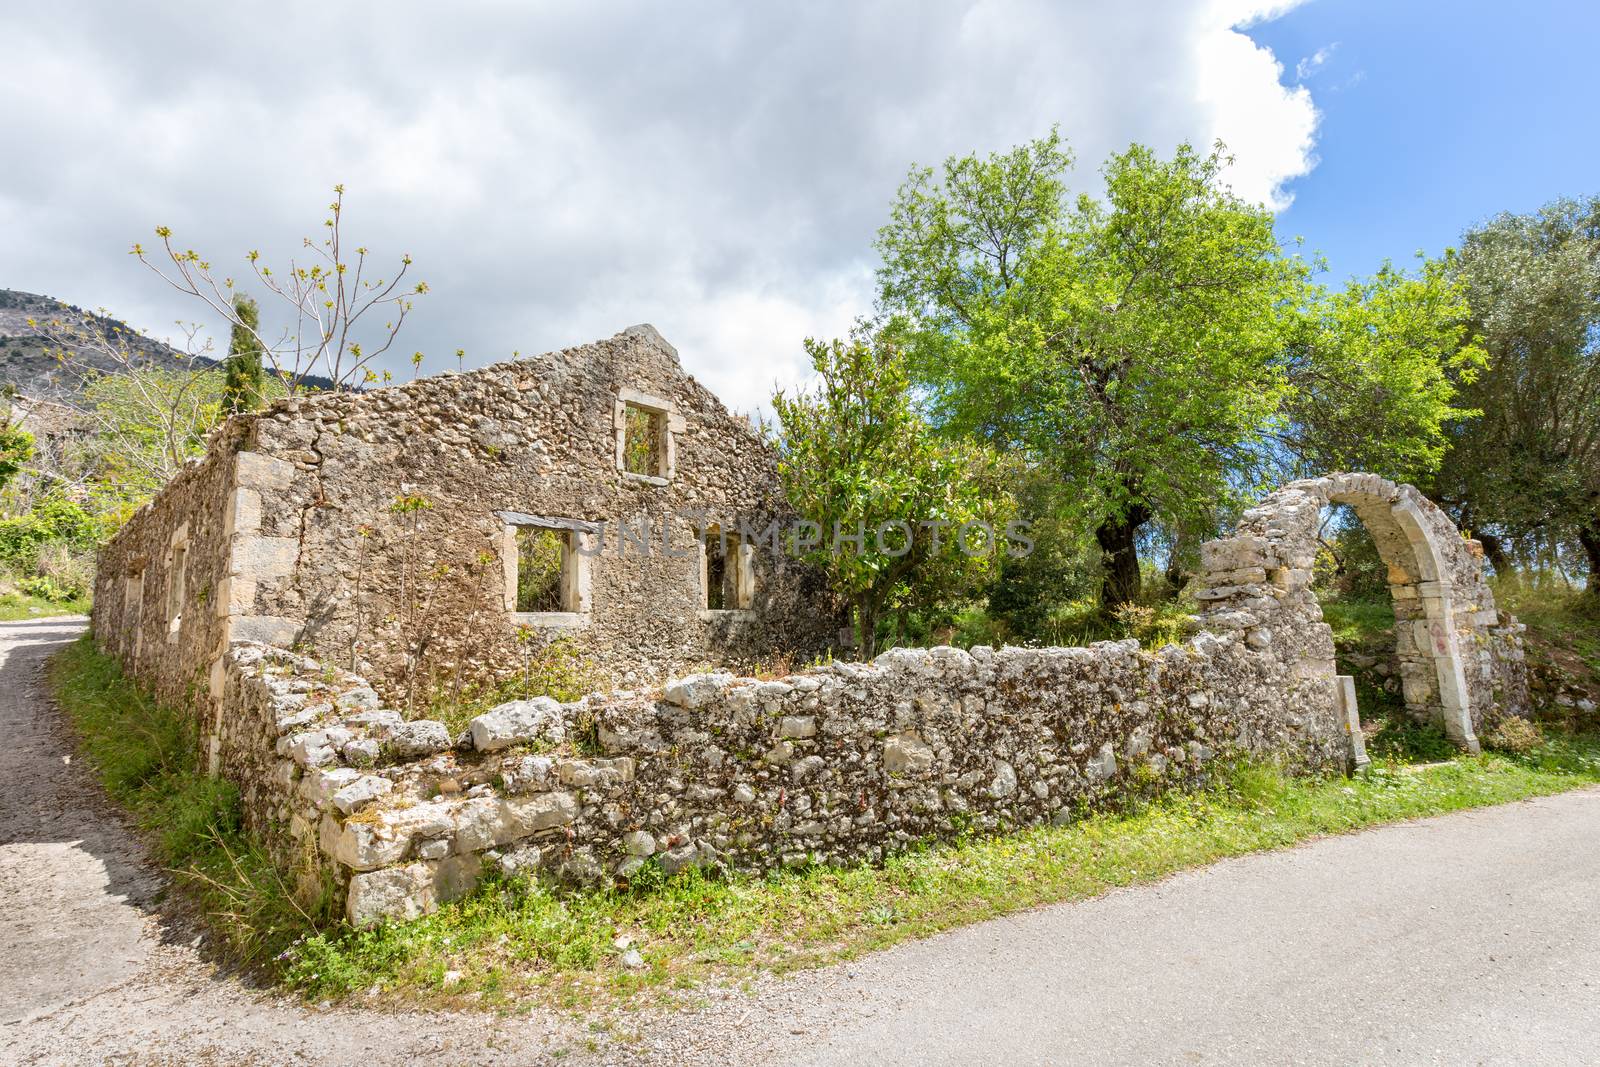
414,598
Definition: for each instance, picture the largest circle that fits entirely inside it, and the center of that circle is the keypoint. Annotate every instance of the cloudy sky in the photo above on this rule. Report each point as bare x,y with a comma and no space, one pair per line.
562,170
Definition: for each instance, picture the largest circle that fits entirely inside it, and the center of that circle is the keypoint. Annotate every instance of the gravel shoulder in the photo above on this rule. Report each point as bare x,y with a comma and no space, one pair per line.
95,972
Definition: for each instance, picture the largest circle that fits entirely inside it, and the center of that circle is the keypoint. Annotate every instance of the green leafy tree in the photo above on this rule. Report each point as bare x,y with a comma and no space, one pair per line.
16,449
889,498
1156,351
1129,346
1376,368
147,422
1525,475
241,388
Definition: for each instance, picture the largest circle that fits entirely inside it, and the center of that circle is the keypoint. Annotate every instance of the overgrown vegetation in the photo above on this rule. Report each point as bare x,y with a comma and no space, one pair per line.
146,756
515,939
558,670
47,556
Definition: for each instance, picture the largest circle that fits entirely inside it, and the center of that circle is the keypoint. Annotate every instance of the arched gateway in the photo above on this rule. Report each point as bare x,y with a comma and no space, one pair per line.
1460,658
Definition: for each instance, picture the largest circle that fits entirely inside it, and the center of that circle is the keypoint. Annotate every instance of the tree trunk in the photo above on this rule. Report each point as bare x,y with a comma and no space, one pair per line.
1589,538
1494,550
866,629
1117,537
1174,575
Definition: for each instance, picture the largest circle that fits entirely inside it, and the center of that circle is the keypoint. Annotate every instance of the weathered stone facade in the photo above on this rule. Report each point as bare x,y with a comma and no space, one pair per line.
375,532
840,763
1461,659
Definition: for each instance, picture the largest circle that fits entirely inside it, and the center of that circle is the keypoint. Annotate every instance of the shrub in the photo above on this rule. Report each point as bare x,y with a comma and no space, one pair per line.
49,551
1515,735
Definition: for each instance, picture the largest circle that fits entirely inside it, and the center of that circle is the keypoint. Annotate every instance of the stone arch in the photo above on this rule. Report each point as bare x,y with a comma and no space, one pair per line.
1460,658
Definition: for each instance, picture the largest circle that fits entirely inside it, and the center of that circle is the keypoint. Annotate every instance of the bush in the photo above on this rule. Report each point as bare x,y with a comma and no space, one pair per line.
558,670
49,551
1515,735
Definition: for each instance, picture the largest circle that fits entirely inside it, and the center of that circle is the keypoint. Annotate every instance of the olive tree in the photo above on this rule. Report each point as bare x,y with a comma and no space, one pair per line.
1525,475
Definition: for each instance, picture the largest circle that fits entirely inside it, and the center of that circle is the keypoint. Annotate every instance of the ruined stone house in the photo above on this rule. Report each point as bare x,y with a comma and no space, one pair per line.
439,533
331,562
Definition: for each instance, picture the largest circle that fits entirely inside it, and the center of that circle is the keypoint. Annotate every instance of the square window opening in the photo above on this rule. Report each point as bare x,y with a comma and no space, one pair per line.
644,441
542,565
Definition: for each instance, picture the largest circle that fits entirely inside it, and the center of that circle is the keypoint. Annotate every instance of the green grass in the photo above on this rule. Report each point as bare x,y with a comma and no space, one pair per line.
516,940
1567,618
18,606
1356,622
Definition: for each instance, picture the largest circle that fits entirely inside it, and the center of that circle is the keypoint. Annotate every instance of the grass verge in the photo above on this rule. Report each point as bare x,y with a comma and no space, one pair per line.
518,942
147,758
15,607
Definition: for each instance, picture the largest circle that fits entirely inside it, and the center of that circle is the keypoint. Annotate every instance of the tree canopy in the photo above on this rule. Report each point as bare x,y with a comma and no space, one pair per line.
889,498
1155,350
1525,475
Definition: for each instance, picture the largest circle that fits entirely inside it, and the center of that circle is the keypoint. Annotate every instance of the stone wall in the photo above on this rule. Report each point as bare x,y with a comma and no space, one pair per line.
157,584
374,530
288,534
411,598
841,763
1461,659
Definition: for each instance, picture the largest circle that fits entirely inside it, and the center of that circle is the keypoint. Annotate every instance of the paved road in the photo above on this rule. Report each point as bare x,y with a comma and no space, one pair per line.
1470,938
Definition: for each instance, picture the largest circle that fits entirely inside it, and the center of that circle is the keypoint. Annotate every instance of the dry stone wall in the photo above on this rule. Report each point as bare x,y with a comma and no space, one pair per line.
842,763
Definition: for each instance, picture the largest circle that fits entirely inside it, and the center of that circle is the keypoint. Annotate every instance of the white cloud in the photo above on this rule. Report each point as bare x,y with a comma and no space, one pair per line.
563,170
1309,65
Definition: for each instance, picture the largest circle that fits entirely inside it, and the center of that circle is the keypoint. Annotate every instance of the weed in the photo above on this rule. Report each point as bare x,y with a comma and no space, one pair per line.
147,758
1515,735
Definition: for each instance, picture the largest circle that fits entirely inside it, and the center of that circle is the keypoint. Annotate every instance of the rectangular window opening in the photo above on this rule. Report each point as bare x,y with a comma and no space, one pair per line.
175,586
644,434
541,569
718,548
727,585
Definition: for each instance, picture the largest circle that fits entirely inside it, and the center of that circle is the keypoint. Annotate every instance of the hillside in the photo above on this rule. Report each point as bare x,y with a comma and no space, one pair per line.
25,360
27,365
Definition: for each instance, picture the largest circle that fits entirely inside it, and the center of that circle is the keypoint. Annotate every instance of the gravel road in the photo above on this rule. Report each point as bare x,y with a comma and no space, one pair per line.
1469,938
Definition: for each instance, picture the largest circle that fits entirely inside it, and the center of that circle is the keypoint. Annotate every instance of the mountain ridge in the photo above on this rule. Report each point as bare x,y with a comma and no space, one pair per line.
29,368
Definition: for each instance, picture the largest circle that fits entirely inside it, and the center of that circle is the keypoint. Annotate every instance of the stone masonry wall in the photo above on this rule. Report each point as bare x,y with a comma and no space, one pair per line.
296,532
286,535
840,763
1461,659
413,597
135,599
